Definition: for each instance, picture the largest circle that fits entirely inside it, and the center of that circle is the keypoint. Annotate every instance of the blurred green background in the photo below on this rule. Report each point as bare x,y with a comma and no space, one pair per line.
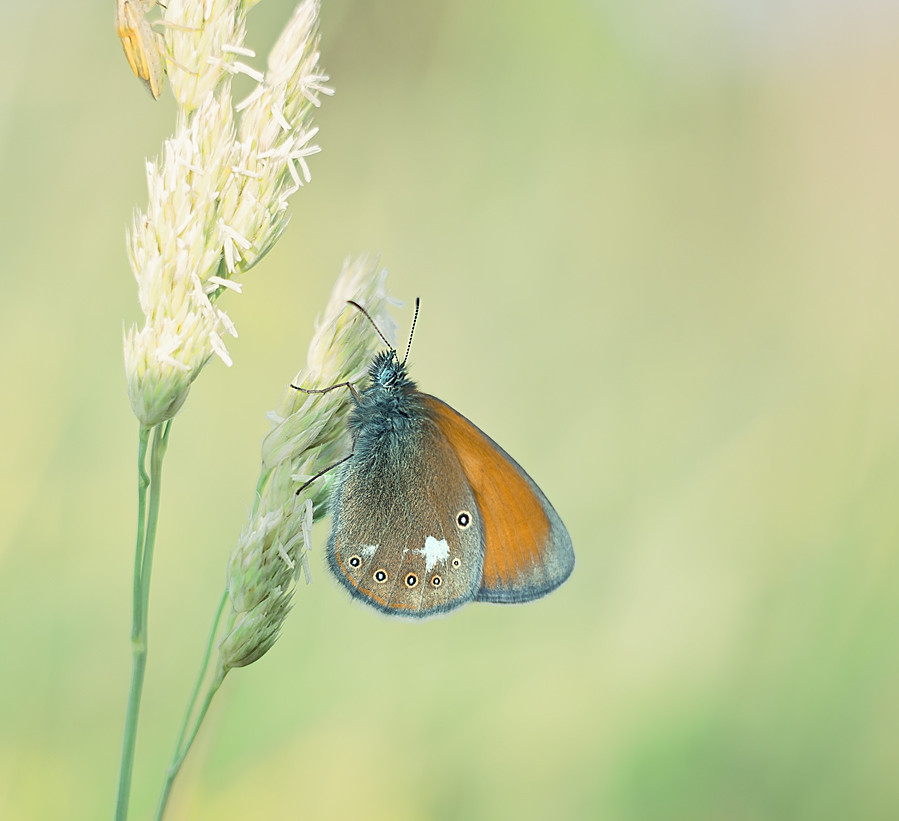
656,245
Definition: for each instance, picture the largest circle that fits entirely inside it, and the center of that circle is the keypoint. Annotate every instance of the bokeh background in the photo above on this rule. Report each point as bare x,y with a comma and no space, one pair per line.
656,245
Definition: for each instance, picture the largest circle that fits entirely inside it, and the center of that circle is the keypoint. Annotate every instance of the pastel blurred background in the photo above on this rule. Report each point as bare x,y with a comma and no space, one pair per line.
656,246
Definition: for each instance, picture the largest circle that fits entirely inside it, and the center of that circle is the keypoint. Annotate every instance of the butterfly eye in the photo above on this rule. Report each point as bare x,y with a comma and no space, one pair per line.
436,581
380,575
411,580
463,519
457,562
355,561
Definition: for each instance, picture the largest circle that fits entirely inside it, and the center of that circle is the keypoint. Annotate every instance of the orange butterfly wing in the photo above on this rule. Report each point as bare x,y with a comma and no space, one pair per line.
527,550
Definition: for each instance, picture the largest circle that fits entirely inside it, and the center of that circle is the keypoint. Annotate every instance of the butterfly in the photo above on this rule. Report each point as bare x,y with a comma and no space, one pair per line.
430,513
144,47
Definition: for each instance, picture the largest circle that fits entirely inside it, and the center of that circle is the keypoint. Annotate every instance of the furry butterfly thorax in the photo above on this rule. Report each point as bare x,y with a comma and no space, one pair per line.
387,406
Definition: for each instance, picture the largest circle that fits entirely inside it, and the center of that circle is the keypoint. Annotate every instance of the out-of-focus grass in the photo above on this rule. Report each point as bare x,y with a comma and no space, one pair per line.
656,255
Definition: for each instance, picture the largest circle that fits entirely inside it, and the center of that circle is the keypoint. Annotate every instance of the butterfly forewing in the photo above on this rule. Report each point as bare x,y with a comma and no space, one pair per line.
397,541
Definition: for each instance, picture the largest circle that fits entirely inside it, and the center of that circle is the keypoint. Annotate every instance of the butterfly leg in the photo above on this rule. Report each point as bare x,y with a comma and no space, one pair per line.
148,6
326,390
332,388
320,474
161,43
173,25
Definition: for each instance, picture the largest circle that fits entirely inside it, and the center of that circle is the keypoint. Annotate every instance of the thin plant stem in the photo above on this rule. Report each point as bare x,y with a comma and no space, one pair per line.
127,762
181,749
160,443
143,482
181,754
200,676
147,517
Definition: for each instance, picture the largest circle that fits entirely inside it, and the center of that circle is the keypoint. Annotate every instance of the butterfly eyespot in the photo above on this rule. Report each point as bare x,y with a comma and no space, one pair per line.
457,562
436,581
463,519
411,580
354,561
380,575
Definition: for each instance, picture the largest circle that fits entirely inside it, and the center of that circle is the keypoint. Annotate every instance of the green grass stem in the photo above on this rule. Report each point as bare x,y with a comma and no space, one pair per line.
147,518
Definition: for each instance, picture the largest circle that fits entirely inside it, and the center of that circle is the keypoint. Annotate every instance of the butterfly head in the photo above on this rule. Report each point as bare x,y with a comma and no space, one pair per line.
384,406
389,374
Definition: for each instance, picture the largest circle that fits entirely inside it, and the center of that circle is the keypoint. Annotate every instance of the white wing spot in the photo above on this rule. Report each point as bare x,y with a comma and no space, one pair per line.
368,550
434,551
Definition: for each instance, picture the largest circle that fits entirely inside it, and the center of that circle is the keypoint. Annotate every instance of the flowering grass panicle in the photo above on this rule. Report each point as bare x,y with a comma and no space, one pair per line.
204,41
218,197
219,193
309,434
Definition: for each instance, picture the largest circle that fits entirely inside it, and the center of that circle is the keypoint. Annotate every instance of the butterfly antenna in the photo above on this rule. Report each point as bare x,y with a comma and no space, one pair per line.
414,320
368,317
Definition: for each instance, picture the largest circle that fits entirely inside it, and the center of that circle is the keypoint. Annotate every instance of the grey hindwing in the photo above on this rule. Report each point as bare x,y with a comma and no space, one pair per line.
400,540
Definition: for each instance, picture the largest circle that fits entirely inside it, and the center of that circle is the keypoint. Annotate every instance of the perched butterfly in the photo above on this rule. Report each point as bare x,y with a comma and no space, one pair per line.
144,47
430,513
